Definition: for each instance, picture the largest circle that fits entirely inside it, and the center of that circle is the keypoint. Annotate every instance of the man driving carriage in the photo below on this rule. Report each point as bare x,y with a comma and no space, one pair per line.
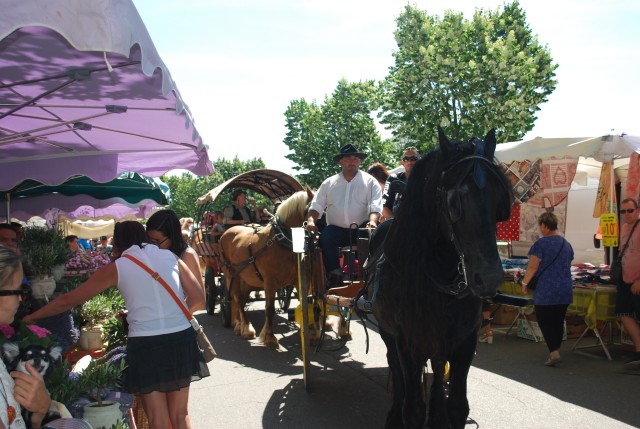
351,196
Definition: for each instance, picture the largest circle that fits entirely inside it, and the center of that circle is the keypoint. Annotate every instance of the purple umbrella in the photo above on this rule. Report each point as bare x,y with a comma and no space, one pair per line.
84,92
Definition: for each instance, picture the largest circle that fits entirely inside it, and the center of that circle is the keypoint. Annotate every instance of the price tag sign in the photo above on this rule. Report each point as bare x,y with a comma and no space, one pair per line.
609,225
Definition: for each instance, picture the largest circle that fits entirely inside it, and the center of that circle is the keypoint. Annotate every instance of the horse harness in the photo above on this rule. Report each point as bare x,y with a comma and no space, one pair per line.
448,196
282,236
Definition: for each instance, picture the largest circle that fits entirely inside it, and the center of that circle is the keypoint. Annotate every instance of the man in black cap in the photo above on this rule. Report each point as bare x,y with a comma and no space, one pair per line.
394,186
351,196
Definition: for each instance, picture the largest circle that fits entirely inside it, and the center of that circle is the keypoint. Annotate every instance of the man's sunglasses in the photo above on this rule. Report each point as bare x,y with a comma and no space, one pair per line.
623,211
410,158
22,292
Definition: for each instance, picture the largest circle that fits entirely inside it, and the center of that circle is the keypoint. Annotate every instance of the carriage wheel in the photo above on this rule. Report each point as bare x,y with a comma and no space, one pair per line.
211,290
225,303
284,297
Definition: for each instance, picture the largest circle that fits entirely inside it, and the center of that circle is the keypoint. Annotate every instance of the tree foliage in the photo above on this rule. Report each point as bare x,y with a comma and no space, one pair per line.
316,133
187,188
466,76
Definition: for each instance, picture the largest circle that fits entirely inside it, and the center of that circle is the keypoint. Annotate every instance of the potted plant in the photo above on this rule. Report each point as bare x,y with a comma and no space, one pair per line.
44,249
96,381
90,316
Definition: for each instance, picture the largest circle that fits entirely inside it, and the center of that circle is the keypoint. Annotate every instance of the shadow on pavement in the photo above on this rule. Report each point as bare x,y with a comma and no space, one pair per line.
584,377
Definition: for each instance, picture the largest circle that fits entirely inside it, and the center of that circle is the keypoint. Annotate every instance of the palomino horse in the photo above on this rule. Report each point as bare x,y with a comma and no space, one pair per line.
441,259
262,258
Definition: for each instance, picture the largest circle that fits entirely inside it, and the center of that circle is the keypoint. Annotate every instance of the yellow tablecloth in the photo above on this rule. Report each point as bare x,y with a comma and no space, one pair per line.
597,303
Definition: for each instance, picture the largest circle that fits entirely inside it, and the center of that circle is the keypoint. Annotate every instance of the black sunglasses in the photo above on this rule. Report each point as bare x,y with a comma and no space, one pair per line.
410,158
22,292
623,211
158,242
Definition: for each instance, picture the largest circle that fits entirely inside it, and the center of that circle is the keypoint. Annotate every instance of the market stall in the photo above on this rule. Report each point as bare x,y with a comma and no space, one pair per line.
576,178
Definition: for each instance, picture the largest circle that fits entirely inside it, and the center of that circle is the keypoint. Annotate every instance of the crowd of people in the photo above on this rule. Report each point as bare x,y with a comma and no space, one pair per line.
154,320
349,198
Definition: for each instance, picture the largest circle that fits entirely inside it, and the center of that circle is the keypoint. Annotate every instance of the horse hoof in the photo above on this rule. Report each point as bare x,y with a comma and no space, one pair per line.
272,344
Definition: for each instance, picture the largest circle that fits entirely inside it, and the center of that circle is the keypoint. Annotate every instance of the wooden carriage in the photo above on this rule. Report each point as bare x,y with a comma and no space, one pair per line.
273,184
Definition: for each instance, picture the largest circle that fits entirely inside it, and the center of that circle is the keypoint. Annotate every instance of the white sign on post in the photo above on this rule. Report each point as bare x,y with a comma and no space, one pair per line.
297,240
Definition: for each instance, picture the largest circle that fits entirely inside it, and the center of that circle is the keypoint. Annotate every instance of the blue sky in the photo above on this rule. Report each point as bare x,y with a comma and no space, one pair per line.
239,63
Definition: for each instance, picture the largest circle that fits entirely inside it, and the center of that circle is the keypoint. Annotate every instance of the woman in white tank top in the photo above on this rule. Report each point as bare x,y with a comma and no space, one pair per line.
162,353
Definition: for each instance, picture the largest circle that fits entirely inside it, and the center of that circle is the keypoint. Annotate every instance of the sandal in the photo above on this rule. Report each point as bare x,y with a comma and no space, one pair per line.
487,337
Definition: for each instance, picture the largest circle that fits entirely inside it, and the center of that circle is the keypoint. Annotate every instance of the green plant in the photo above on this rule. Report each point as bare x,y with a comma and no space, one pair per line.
114,333
63,388
99,377
43,248
95,311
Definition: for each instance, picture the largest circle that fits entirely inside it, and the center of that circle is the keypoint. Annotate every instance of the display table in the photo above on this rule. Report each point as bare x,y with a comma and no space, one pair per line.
523,309
597,304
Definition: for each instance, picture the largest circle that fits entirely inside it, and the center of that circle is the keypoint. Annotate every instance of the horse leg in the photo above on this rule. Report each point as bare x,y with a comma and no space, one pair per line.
414,410
243,327
437,400
394,416
266,335
457,402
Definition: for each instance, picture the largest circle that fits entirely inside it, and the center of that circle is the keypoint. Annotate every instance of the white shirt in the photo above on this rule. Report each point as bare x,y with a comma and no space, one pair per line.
7,398
151,310
348,202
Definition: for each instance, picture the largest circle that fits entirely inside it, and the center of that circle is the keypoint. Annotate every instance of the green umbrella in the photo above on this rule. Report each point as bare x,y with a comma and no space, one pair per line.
32,197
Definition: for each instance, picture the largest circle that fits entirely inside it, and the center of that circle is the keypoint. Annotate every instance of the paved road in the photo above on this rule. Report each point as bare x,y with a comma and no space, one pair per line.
509,387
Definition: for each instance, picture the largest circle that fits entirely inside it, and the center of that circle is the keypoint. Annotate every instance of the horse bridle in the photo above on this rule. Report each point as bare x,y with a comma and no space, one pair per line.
460,283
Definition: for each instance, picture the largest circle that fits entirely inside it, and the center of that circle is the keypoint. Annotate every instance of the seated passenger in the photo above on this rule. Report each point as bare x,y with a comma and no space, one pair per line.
238,213
392,193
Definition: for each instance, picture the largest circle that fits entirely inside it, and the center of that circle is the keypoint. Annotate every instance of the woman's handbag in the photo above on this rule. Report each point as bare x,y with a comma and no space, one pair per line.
533,283
615,270
207,350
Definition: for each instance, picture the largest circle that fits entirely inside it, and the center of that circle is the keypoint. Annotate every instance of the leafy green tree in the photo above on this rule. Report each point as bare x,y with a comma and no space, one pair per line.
187,188
466,76
316,133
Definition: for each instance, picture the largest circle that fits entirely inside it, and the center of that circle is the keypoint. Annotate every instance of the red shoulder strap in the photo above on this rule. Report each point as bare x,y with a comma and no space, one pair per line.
164,284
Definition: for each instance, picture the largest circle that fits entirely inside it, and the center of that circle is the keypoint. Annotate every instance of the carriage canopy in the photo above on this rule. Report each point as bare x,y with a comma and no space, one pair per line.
273,184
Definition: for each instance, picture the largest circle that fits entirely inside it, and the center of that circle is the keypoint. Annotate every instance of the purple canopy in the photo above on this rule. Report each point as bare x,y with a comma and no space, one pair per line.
84,92
72,208
110,210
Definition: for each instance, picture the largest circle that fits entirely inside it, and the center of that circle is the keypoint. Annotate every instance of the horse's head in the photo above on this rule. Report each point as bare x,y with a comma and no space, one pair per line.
473,194
454,197
293,211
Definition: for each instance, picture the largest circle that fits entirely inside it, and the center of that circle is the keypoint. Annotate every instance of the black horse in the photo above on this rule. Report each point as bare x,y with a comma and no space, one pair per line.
441,259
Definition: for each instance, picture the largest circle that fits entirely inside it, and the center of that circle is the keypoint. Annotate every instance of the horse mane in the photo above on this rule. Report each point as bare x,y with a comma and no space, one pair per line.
418,250
293,207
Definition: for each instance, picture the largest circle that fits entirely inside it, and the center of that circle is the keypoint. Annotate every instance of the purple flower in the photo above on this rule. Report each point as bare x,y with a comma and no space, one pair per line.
40,332
7,331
